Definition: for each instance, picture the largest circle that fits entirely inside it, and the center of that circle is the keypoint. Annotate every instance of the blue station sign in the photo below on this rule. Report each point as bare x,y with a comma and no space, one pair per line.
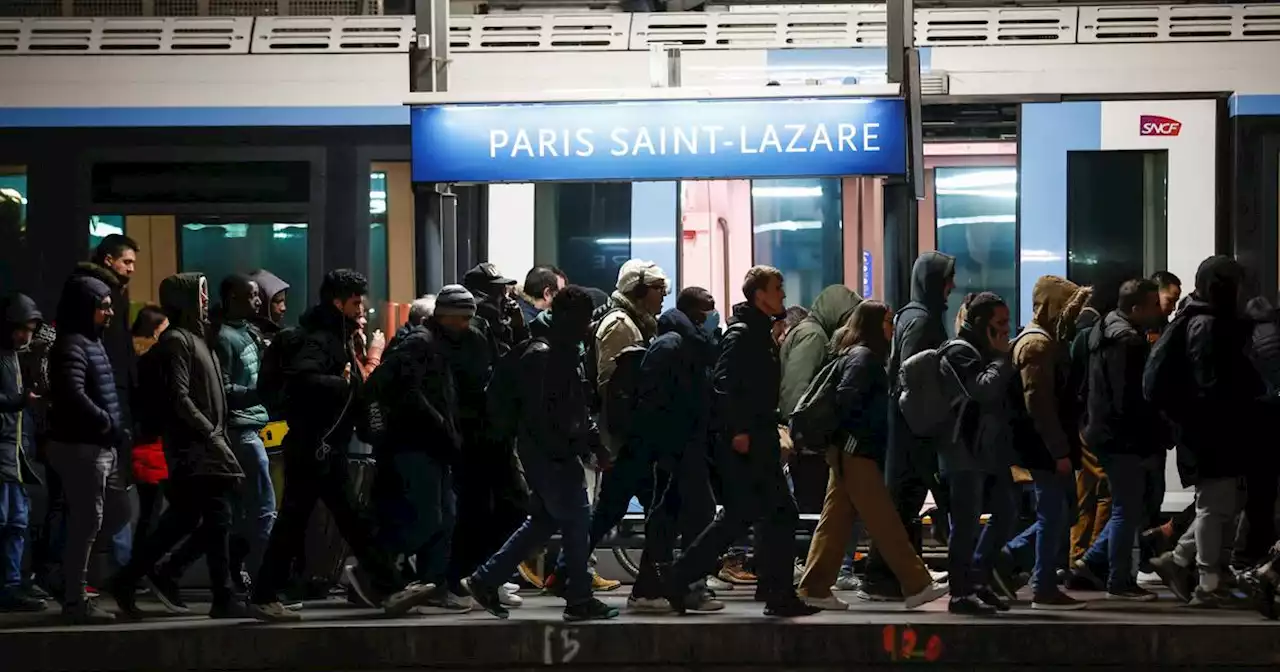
659,140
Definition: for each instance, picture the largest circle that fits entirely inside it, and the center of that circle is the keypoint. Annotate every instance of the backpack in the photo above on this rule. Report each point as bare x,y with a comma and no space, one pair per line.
816,418
1166,377
502,394
591,362
621,393
895,357
930,389
1078,369
274,368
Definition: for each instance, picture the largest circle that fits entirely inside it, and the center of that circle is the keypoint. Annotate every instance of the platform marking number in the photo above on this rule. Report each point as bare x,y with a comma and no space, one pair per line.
568,645
904,645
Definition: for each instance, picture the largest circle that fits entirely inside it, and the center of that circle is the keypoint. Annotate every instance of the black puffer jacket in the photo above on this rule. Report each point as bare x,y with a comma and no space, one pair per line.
194,421
84,403
1264,347
1121,421
748,376
116,338
323,404
555,419
862,398
674,399
415,385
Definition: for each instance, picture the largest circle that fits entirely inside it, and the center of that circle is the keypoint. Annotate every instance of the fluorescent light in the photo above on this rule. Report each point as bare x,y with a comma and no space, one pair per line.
988,193
986,219
970,179
1041,256
652,240
787,226
786,192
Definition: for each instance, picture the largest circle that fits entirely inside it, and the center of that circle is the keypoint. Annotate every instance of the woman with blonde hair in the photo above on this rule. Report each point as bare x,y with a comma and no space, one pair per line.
855,488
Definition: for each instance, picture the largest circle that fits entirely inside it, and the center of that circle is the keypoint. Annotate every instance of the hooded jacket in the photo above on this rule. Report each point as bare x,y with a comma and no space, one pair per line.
116,338
417,385
268,286
1220,422
747,377
674,399
194,425
17,422
920,325
1264,347
1043,362
83,396
983,436
862,400
1120,420
628,325
555,419
323,404
807,346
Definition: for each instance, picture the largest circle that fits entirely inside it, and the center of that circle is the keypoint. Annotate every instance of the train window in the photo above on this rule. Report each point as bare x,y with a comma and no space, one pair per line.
379,293
202,182
797,226
219,247
13,225
101,226
585,229
977,224
1116,216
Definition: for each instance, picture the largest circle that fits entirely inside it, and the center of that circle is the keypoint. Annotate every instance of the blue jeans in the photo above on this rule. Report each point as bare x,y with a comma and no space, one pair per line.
417,510
255,507
972,550
558,502
1047,535
846,567
1114,547
15,511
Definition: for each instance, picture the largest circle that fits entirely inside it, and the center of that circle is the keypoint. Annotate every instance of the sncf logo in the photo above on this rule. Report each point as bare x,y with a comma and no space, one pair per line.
1151,124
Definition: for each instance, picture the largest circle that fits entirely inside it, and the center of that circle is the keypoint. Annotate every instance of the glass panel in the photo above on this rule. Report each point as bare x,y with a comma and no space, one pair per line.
220,247
977,224
13,226
378,278
716,239
585,229
1117,222
101,226
207,182
798,229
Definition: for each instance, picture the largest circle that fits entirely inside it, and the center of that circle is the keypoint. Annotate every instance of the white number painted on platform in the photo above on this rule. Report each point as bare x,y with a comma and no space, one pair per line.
568,646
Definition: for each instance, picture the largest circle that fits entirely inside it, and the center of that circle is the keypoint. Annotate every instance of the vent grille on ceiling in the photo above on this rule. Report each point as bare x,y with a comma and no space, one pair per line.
515,32
332,34
1179,23
140,35
995,26
696,30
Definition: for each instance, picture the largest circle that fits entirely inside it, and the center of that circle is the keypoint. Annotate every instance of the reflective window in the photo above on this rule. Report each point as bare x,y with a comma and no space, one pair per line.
13,226
378,280
585,229
101,226
977,224
797,229
220,247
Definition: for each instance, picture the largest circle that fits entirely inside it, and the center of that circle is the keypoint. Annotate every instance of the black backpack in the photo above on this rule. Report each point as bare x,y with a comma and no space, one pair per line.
1166,378
502,395
273,370
621,393
815,421
591,362
1078,369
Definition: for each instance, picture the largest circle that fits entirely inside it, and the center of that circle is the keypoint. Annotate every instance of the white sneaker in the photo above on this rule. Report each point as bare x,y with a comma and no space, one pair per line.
509,599
829,603
939,577
714,583
931,592
648,605
442,601
511,587
1149,579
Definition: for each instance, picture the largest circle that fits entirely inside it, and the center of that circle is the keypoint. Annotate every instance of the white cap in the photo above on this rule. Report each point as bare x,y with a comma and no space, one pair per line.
636,272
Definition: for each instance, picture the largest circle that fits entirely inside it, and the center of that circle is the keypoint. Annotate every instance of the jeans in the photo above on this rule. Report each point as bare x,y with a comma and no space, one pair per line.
558,502
416,511
15,511
682,506
631,476
255,503
199,508
1047,535
972,549
1114,547
97,502
754,492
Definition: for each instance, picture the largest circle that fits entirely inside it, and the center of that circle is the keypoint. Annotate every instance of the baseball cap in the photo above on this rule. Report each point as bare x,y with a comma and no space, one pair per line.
485,274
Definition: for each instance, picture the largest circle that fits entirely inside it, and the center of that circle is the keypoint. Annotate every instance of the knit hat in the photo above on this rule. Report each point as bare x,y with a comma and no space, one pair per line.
638,272
455,300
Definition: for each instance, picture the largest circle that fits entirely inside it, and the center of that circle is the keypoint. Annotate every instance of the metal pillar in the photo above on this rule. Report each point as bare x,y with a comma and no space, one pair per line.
435,206
902,194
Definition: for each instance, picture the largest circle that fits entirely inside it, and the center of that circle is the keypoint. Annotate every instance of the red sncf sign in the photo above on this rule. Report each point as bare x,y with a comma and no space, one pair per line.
1150,124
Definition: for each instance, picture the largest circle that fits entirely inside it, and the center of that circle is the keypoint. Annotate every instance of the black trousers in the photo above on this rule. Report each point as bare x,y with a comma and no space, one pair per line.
199,508
683,507
1259,512
911,473
491,506
309,480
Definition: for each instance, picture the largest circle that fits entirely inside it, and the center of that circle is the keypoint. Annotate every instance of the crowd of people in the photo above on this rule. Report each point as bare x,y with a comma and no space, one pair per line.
491,412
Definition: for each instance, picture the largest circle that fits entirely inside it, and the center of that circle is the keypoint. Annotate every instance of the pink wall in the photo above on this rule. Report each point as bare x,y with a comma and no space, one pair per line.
708,209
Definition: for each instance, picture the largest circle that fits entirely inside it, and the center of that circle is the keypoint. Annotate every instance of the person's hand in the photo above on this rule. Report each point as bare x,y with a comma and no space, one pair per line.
1063,466
346,372
742,444
32,397
379,340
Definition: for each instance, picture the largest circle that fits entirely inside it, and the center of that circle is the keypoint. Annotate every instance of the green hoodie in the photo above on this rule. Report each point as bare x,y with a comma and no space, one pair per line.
806,346
238,354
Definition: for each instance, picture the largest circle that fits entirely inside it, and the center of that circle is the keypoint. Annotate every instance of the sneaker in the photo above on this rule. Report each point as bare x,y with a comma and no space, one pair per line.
1131,594
441,601
702,602
1057,601
797,573
931,592
510,587
1086,576
21,602
1178,579
1149,578
273,612
989,597
552,585
599,584
1004,577
359,590
733,572
940,577
86,612
485,596
591,610
649,605
404,600
241,582
91,592
166,592
847,582
718,584
880,592
828,603
231,609
529,574
1203,599
508,598
970,605
124,593
33,590
789,607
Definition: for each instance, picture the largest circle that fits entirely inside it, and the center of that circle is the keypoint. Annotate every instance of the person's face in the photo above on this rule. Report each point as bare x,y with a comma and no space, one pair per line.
352,308
699,314
779,332
21,336
247,300
102,314
160,329
998,328
454,324
550,292
888,326
772,297
204,298
1168,297
278,307
949,285
652,301
1150,312
123,265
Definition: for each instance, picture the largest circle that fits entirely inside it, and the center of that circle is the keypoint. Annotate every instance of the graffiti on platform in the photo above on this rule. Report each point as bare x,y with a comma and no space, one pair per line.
561,649
904,645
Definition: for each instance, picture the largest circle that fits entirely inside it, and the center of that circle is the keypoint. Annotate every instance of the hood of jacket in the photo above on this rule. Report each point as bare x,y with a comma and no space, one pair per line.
108,277
81,297
19,309
1218,284
1057,303
269,284
180,301
745,312
833,307
929,278
1114,327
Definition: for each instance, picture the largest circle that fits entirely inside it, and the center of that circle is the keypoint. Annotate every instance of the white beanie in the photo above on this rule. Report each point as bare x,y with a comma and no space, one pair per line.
636,272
